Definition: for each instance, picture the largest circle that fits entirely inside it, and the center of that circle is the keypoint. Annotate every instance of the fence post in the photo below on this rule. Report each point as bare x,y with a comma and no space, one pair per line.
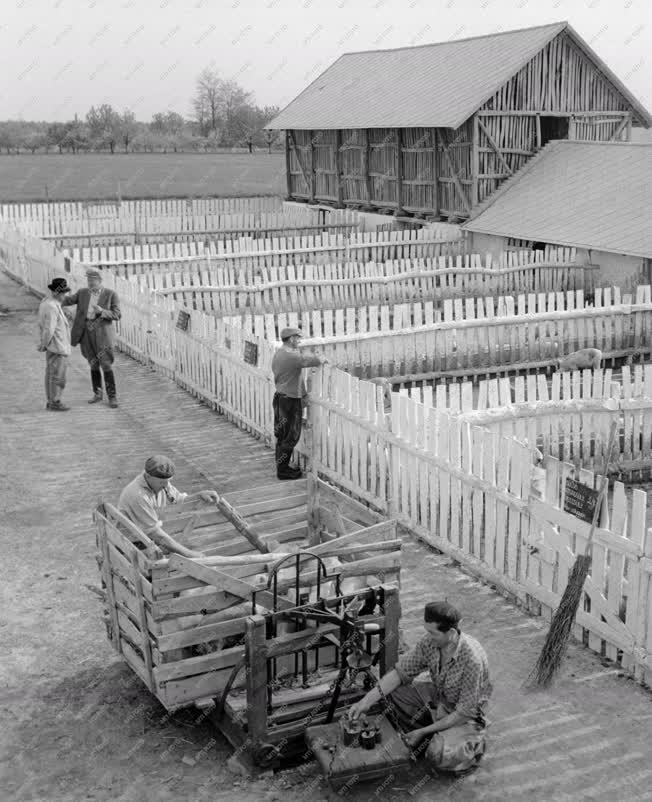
311,464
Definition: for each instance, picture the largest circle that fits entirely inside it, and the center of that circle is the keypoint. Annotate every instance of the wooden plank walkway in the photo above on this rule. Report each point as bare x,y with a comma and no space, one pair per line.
76,721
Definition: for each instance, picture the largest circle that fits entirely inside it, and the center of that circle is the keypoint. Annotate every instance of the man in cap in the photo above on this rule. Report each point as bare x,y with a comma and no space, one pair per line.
445,717
92,330
54,339
287,365
150,492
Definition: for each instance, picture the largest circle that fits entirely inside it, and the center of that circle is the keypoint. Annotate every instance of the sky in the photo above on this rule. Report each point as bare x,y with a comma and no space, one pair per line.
59,57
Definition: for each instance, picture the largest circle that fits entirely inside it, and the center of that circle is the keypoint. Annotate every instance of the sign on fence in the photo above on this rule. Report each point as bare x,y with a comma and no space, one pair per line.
183,321
251,353
580,500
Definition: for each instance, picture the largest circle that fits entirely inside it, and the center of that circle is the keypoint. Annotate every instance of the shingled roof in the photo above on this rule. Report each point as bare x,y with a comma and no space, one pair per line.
439,85
595,195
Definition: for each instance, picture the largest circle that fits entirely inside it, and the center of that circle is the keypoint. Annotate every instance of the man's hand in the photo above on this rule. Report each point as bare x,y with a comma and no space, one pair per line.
323,360
356,710
193,553
415,737
209,496
41,348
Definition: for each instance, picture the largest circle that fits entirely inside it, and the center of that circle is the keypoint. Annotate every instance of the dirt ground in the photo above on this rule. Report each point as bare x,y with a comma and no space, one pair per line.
76,724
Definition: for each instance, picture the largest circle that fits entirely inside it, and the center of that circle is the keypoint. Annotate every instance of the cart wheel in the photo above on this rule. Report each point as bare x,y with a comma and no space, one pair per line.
265,755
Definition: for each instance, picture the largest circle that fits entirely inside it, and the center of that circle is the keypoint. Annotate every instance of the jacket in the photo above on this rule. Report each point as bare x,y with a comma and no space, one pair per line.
54,330
108,300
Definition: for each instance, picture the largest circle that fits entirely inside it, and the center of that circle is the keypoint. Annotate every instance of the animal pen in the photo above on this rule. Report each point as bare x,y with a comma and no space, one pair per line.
456,471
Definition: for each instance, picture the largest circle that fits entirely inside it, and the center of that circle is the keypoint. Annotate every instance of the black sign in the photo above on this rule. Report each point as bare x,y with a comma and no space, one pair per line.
227,342
251,353
580,500
183,321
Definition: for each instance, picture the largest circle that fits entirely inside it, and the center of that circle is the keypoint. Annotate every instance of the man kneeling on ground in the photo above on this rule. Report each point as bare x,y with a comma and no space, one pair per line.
449,710
150,492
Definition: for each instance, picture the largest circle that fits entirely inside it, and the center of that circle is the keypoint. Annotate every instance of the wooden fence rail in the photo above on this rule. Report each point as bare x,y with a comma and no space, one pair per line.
463,487
304,287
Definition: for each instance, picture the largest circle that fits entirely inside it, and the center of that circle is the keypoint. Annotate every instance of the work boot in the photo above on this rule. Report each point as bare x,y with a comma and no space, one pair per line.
287,473
97,397
57,406
113,402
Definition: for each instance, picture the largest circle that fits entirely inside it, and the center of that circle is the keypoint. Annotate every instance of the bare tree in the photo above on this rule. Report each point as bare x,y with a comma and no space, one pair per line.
207,100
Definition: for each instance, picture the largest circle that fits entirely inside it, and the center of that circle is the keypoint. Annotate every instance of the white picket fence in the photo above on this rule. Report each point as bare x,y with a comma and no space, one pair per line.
59,212
305,287
462,487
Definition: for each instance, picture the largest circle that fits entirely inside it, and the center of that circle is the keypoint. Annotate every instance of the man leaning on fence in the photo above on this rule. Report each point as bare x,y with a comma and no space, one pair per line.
54,339
287,365
92,330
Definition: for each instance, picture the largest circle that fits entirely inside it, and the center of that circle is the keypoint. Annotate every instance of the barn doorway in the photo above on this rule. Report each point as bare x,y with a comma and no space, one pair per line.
553,128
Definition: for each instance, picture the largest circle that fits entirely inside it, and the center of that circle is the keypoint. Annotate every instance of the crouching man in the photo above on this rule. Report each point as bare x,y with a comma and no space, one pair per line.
448,711
150,492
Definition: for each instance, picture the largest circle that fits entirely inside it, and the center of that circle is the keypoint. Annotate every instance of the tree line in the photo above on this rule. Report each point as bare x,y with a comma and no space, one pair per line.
223,115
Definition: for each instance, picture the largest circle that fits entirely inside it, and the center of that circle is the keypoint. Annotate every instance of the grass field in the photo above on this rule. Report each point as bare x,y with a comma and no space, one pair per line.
98,176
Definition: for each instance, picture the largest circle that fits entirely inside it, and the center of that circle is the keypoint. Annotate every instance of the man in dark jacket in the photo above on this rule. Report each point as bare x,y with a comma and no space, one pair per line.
92,330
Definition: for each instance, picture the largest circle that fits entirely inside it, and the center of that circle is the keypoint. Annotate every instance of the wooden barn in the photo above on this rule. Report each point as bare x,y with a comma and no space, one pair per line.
433,130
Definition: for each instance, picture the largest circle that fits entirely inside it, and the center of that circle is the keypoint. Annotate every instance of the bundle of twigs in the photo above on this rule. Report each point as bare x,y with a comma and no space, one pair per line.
561,625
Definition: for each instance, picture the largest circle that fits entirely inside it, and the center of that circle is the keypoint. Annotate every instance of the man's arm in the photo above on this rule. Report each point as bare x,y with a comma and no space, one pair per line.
48,325
312,360
71,300
113,312
388,684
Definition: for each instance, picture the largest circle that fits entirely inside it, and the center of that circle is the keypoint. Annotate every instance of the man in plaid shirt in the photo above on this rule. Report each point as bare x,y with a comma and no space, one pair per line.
449,710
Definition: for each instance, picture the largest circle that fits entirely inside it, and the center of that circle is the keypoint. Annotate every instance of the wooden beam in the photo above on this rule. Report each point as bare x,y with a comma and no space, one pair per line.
435,173
399,170
492,143
288,172
366,154
538,125
256,664
621,127
454,176
475,162
547,113
313,174
338,167
302,167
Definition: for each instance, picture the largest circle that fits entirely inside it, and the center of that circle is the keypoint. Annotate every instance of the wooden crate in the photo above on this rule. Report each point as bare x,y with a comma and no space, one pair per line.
183,634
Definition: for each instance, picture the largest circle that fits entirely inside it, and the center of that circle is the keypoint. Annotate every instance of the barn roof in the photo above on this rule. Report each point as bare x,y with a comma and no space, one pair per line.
439,85
581,194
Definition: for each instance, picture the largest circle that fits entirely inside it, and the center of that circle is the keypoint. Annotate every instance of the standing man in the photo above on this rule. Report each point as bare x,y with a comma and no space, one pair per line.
97,308
150,492
287,365
54,339
446,717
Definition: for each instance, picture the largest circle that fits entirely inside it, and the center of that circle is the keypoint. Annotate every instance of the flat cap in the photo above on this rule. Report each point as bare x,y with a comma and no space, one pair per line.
93,274
159,466
285,333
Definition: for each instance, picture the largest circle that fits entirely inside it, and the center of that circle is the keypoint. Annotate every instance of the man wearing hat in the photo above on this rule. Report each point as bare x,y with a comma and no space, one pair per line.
150,492
92,330
54,339
444,719
287,364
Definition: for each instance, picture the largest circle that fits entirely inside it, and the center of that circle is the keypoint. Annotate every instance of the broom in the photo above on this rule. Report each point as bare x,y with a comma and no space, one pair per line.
556,643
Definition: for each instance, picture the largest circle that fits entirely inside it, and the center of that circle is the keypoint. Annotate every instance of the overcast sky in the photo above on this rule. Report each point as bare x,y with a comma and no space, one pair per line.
59,57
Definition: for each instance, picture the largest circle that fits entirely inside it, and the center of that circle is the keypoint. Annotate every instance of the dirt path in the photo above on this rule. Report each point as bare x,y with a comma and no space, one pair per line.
78,725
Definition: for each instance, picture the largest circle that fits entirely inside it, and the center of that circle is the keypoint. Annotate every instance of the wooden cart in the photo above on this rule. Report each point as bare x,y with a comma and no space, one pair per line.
253,637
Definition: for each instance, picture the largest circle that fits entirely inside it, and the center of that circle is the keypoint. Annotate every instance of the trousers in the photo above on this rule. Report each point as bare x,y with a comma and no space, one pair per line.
97,355
455,750
55,376
287,426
